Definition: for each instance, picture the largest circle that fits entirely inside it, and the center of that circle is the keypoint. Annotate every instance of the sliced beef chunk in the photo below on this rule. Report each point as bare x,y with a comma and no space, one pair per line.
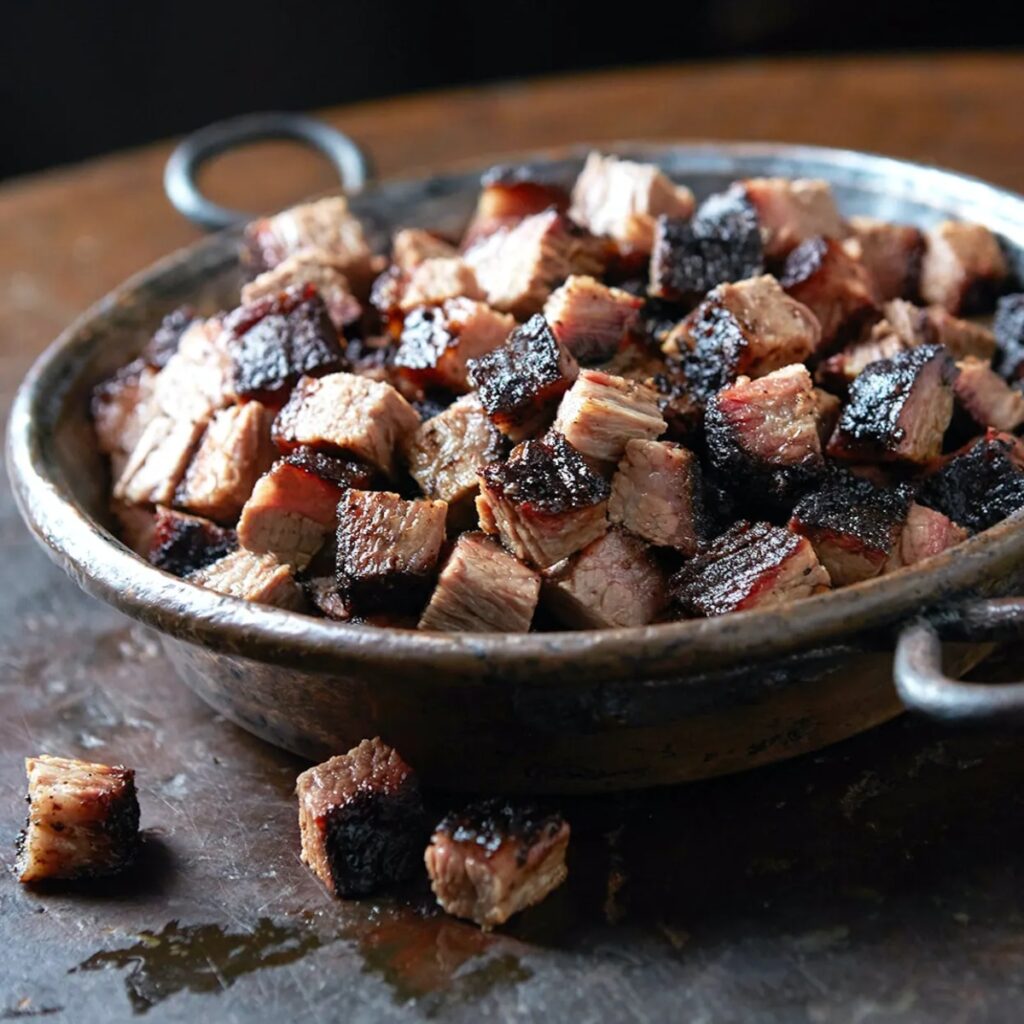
544,501
251,577
854,525
278,339
412,246
167,337
925,533
121,408
335,469
437,343
751,565
437,280
834,286
791,210
387,549
898,409
590,319
136,525
322,593
963,267
482,588
83,819
493,859
196,380
982,485
656,494
361,820
181,544
752,328
600,413
614,581
986,398
721,243
891,253
158,461
1009,333
508,196
520,382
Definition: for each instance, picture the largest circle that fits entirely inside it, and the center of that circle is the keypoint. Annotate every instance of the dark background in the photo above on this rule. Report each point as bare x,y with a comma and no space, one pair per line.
82,77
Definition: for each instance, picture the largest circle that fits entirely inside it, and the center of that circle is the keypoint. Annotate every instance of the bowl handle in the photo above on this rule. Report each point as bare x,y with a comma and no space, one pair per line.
918,674
352,164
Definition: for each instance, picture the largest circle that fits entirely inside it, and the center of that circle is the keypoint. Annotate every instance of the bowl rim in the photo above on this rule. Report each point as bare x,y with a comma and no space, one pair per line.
107,569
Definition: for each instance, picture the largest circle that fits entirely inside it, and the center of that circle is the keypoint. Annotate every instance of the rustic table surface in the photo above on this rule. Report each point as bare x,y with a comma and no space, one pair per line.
878,881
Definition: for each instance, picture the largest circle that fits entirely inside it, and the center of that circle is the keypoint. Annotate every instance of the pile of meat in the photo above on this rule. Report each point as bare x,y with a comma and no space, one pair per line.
601,408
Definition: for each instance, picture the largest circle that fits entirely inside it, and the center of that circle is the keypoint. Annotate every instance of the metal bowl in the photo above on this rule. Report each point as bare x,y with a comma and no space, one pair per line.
552,712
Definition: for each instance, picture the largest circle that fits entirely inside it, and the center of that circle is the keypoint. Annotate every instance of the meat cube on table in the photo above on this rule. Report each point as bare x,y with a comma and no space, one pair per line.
891,254
251,577
854,525
181,544
751,565
622,199
898,409
600,413
520,382
158,461
792,210
590,319
614,581
980,486
963,267
543,501
493,859
656,494
437,343
986,398
412,246
361,820
1009,336
121,407
834,286
197,379
508,196
482,588
83,819
387,549
925,533
346,413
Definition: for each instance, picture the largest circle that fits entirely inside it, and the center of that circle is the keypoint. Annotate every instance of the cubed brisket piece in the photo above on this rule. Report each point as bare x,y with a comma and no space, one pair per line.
590,319
543,501
681,408
482,588
1008,328
167,337
622,199
827,415
834,286
853,524
722,243
121,407
135,526
290,514
986,398
412,246
924,534
83,819
197,379
493,859
600,413
323,595
891,254
437,343
791,210
614,581
336,469
963,267
361,820
309,268
933,325
520,382
519,267
898,409
251,577
436,280
387,549
980,486
656,494
181,544
750,328
346,413
158,461
509,195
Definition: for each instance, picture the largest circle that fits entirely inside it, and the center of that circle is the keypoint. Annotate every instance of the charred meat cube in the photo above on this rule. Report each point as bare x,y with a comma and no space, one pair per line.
854,525
980,486
196,380
121,407
360,819
722,243
898,409
750,328
158,461
614,581
412,246
600,413
986,398
891,254
387,549
343,412
790,211
520,381
251,577
322,593
925,533
493,859
83,819
656,494
181,544
933,325
963,267
437,343
543,501
335,469
1009,335
681,408
510,195
167,337
835,287
622,199
482,588
590,319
